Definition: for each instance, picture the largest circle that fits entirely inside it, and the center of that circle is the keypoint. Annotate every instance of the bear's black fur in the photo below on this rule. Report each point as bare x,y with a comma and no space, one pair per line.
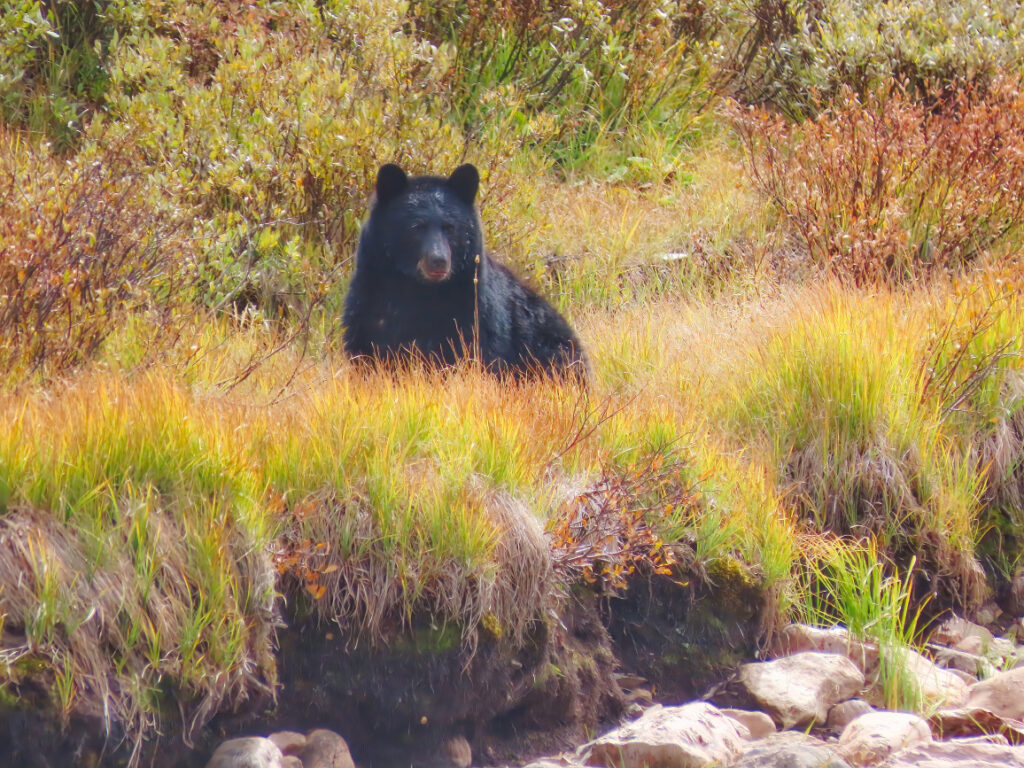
413,291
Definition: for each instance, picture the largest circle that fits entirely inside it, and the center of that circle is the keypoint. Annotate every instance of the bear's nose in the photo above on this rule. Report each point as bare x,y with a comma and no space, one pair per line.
437,262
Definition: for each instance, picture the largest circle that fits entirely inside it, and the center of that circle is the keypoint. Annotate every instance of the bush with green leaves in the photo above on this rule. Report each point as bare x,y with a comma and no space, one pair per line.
605,70
792,52
268,127
52,63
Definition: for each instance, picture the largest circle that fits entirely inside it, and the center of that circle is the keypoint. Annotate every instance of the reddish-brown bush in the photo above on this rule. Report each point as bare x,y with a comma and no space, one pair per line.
79,244
886,188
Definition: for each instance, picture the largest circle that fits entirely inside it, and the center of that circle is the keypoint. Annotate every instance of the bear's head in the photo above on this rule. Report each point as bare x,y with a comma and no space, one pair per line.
426,227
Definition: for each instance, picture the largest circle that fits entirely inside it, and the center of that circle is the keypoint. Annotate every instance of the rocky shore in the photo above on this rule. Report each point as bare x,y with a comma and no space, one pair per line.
818,701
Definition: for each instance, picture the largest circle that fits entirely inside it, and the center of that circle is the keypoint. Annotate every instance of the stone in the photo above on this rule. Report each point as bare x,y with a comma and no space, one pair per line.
1001,695
291,761
936,686
974,665
845,712
457,752
1014,601
797,638
955,630
627,681
695,735
967,721
800,689
958,753
989,613
640,696
289,742
874,736
968,678
758,724
248,752
325,749
791,750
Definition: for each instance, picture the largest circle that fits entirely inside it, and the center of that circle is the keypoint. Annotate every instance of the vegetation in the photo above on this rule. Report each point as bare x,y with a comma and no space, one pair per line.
788,235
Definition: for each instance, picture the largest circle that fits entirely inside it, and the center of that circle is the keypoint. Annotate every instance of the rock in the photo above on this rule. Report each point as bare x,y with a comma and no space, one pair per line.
969,721
1014,600
791,750
958,753
457,752
968,678
249,752
691,736
936,686
758,724
289,742
797,638
325,749
553,762
874,736
291,761
995,648
955,630
1002,695
972,664
640,696
989,613
800,689
845,712
627,681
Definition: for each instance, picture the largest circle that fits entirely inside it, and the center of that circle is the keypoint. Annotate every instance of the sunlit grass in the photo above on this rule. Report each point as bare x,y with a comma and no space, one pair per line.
381,497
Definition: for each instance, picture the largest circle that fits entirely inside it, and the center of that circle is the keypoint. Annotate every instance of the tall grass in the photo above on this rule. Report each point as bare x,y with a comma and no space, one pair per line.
854,585
373,500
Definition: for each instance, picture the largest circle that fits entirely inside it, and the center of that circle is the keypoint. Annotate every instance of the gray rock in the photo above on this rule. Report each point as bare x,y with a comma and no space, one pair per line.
325,749
758,724
291,761
989,613
845,712
874,736
289,742
974,665
696,735
797,638
249,752
955,630
936,686
968,721
1002,695
800,689
791,750
457,752
958,753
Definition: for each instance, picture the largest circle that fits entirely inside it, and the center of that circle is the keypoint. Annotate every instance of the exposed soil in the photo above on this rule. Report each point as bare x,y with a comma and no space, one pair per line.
395,704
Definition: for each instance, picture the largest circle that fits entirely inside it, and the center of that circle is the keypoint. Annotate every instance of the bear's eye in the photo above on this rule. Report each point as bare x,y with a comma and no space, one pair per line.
448,228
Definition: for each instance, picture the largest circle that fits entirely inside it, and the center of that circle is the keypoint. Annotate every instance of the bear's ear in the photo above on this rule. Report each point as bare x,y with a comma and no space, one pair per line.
391,180
465,180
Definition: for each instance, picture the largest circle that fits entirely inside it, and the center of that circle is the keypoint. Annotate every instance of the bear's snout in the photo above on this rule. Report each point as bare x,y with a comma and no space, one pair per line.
435,263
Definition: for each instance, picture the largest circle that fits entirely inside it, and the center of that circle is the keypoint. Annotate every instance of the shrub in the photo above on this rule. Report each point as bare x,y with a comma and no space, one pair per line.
885,188
601,67
784,51
52,56
268,128
79,246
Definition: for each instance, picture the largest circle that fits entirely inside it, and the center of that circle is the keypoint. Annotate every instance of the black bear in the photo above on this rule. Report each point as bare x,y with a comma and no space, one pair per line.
423,285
